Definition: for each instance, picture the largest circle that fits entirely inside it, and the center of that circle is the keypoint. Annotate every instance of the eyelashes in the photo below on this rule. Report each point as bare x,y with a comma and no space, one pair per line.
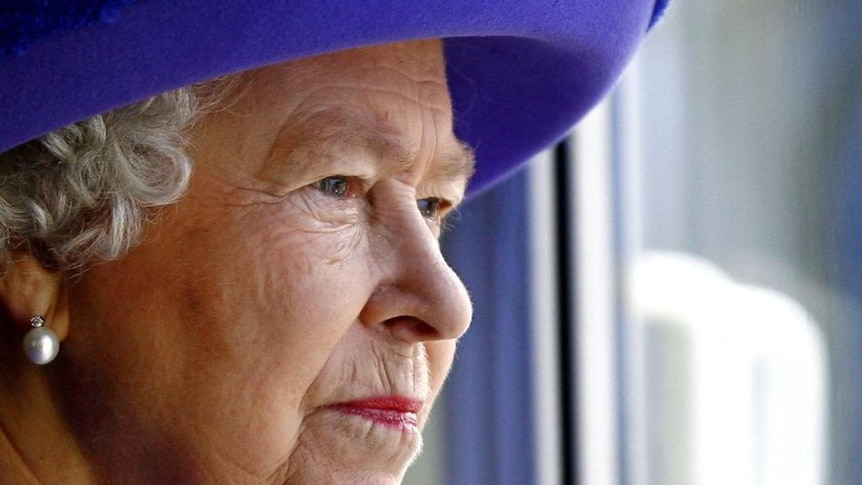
342,187
336,186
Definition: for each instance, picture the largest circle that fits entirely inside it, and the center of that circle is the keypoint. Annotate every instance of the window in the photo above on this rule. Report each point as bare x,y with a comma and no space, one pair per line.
673,296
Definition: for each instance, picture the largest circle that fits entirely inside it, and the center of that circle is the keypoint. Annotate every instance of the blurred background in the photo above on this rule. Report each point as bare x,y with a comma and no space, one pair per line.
673,296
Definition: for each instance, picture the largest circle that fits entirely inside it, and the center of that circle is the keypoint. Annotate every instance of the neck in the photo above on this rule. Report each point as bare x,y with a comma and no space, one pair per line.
36,443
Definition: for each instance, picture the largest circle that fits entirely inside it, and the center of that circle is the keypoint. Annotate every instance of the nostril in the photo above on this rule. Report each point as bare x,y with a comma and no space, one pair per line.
411,329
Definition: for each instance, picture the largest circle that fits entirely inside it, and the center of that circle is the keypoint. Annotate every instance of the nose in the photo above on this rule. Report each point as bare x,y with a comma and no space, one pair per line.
419,297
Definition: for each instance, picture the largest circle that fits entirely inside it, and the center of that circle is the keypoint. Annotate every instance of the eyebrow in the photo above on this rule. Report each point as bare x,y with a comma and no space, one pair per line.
344,125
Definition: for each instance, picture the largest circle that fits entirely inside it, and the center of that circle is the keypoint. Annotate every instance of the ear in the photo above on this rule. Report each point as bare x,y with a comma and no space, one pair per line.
28,289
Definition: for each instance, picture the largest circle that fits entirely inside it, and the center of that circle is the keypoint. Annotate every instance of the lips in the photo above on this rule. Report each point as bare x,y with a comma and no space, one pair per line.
395,412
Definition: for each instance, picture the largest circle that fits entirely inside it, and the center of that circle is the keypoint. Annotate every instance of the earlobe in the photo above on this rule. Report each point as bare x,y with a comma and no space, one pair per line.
28,289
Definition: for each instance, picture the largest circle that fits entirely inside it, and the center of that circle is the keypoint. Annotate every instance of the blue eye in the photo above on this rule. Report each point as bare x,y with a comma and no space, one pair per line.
430,207
337,186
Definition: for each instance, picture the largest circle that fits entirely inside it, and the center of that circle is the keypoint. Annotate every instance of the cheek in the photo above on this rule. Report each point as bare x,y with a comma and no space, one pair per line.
274,300
241,311
291,293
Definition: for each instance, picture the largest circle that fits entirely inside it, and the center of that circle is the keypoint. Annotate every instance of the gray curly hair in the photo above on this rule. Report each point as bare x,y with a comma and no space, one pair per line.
83,191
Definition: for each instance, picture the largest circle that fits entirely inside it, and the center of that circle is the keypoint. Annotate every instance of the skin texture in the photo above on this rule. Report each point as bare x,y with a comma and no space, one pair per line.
297,273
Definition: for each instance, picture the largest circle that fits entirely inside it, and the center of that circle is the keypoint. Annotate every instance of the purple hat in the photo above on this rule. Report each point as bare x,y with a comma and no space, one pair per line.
521,72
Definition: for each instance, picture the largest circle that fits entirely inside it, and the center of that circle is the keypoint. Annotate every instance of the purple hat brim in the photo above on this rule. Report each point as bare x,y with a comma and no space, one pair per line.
521,72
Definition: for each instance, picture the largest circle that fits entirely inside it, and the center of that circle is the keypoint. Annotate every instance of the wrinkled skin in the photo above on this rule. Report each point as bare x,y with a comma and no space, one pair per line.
301,270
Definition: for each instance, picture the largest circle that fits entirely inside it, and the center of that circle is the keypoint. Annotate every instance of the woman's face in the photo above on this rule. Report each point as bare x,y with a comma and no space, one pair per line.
291,318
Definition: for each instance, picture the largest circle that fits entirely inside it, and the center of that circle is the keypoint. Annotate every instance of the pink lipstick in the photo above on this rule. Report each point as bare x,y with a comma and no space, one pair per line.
391,411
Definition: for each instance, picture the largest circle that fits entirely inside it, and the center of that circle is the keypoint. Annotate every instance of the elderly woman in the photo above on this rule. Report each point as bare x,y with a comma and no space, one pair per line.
244,274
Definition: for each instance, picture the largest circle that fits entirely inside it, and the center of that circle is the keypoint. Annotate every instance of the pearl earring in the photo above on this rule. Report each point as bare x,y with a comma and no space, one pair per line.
41,343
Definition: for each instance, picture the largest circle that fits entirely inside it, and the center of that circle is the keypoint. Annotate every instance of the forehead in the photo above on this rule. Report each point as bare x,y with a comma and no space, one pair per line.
392,99
421,60
414,70
351,128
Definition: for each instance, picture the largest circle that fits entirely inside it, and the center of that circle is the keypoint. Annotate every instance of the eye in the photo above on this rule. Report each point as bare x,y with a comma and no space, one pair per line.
430,207
337,186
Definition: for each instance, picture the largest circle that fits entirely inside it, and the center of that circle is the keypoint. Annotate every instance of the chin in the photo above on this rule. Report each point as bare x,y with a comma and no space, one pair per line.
317,471
337,448
346,477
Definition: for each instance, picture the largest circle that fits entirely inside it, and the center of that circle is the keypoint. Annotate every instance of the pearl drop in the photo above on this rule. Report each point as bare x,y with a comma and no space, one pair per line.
41,345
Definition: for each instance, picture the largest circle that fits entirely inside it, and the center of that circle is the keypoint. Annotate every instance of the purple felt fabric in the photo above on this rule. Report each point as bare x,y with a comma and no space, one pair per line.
521,72
24,23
